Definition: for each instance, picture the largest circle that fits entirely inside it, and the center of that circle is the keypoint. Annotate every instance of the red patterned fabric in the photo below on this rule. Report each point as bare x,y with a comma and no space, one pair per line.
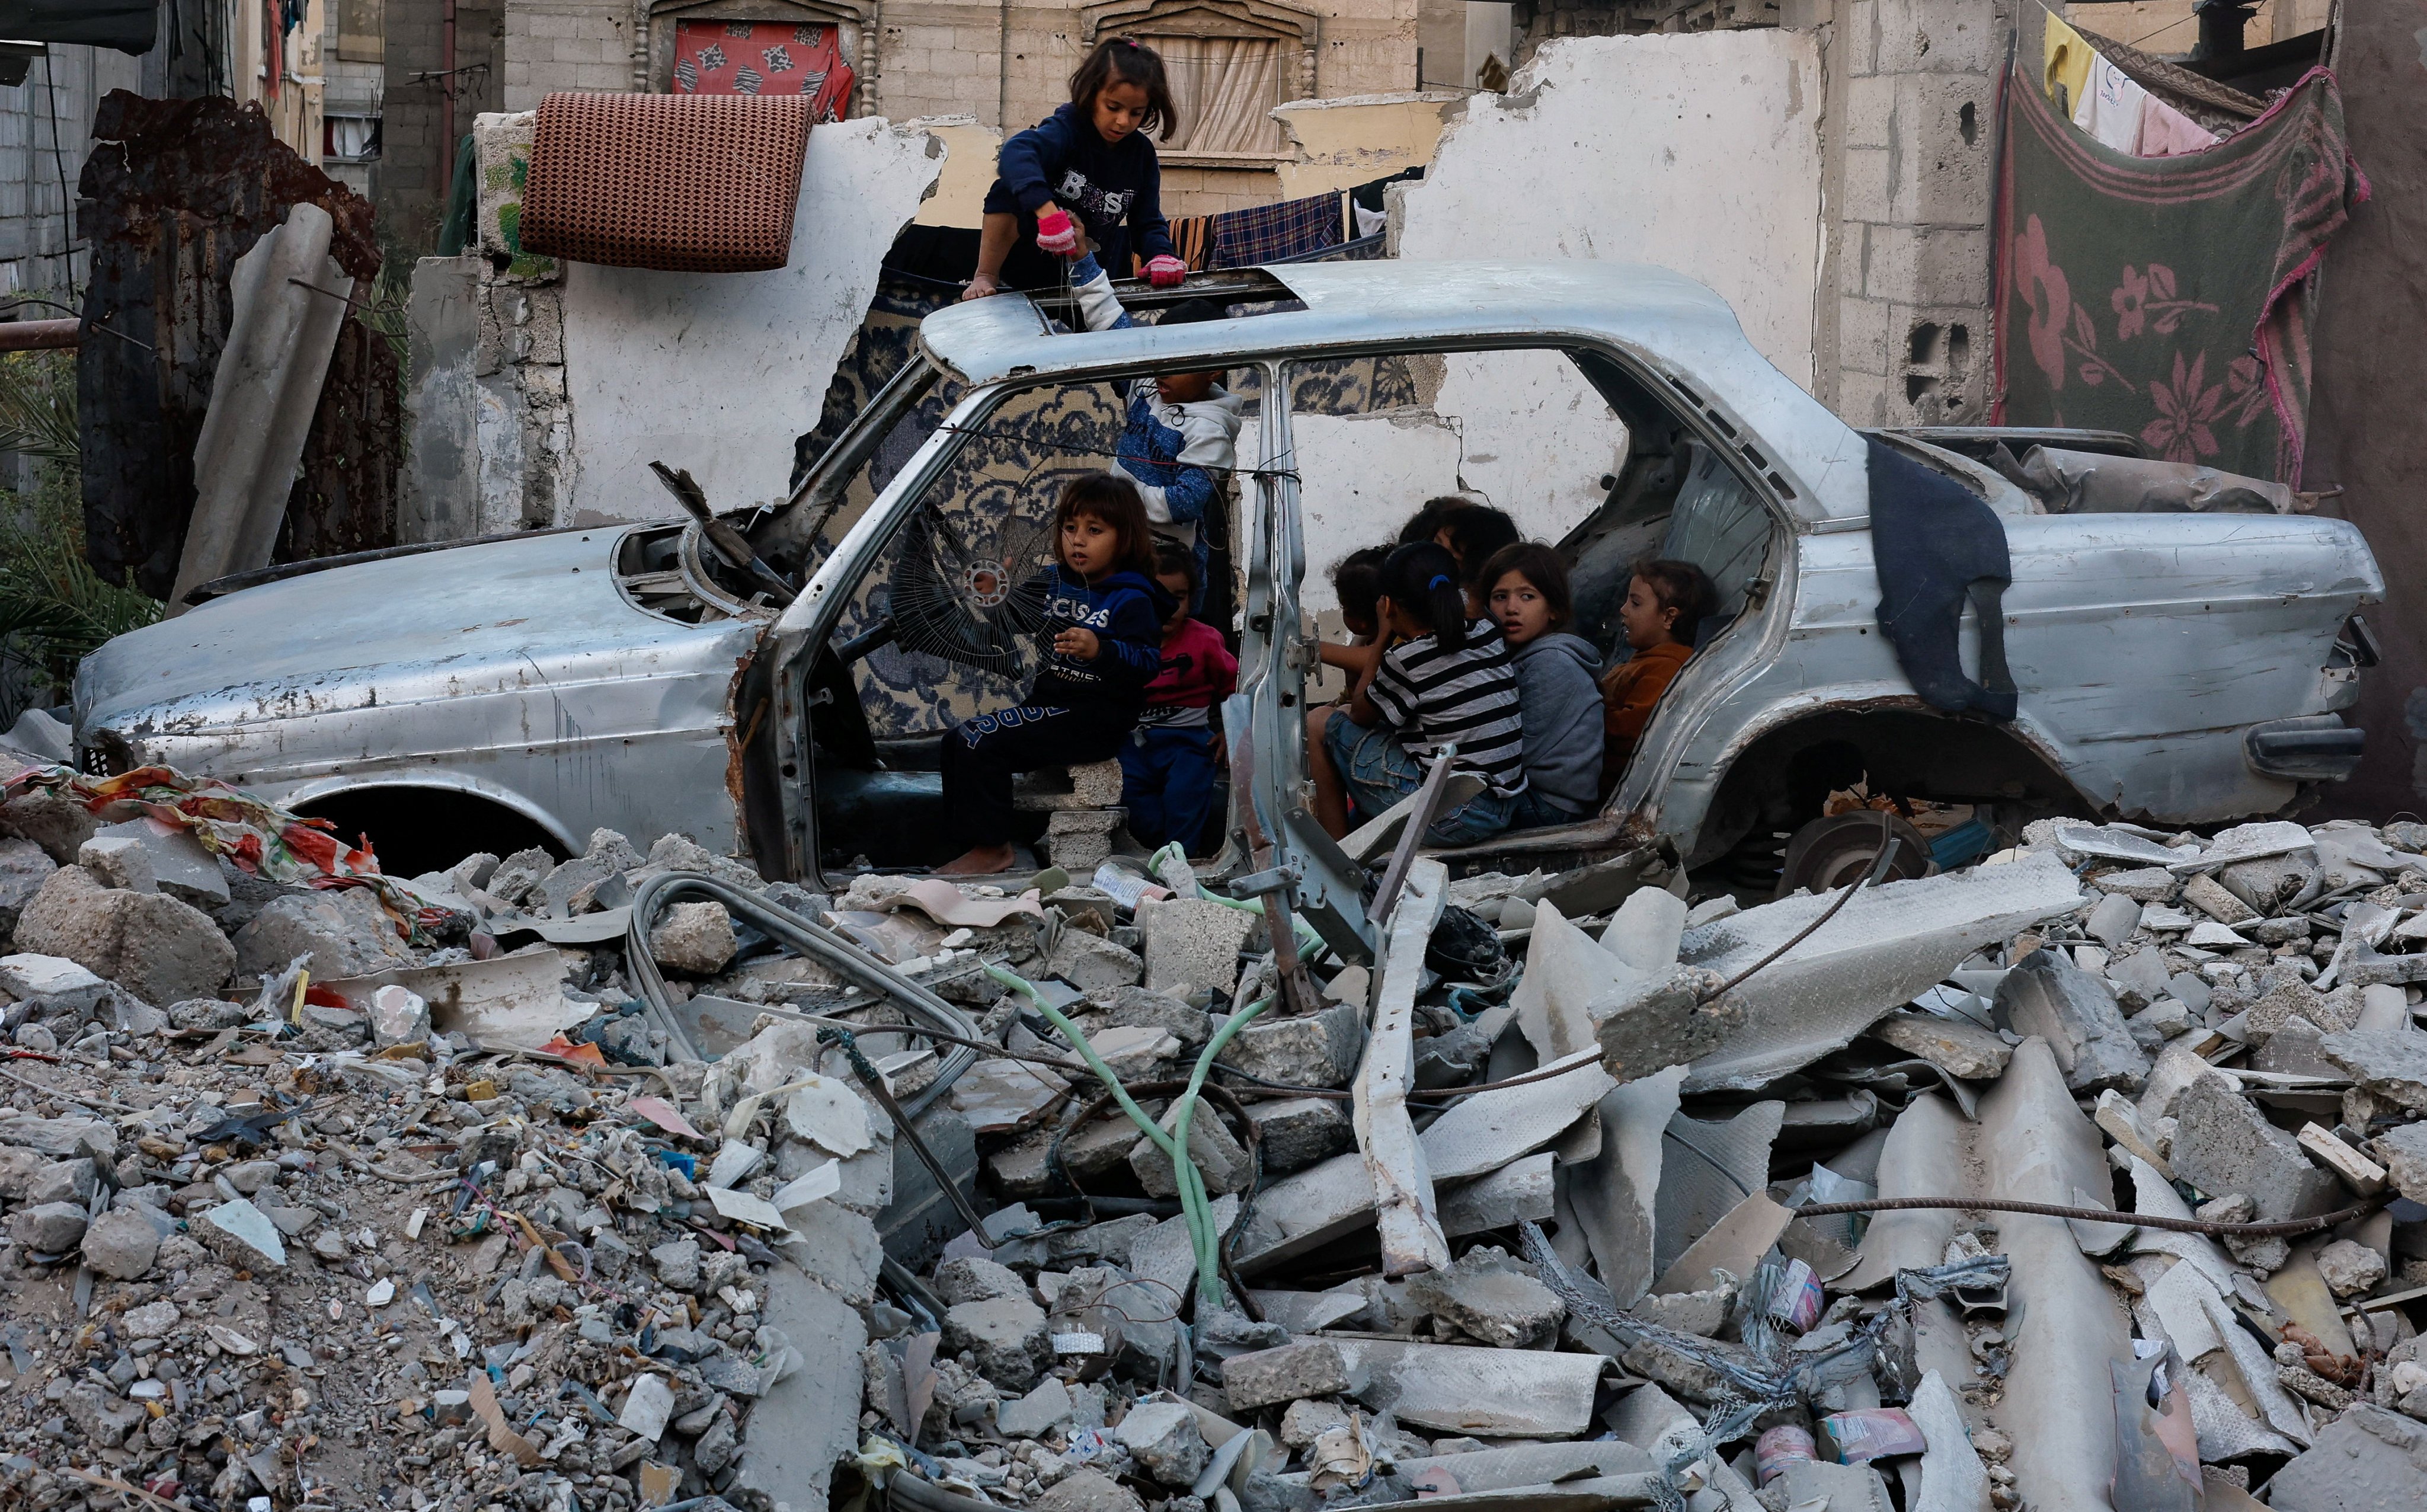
763,57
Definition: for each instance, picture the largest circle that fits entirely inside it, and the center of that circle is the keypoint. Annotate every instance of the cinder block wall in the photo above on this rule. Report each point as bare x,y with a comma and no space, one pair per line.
1911,127
570,44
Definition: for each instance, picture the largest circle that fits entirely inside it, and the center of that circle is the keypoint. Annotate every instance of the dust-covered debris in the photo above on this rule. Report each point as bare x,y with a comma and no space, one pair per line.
430,1193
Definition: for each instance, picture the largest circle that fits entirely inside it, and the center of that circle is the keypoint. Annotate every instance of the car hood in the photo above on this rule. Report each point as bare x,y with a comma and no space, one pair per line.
436,624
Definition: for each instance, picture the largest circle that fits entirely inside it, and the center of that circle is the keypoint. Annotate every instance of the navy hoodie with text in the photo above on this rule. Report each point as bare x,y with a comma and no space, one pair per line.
1126,609
1114,189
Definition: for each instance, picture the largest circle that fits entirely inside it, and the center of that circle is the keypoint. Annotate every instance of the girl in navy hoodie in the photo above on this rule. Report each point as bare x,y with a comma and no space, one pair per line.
1100,646
1088,166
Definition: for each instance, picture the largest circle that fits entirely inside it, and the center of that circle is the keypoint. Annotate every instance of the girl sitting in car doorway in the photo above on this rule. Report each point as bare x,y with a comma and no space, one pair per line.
1100,646
1666,603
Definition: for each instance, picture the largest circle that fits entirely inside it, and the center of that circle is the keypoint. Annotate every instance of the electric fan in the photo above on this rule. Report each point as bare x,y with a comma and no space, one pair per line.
972,591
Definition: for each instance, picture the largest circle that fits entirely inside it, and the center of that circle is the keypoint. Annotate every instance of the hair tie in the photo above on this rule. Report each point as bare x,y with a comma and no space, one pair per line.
1440,579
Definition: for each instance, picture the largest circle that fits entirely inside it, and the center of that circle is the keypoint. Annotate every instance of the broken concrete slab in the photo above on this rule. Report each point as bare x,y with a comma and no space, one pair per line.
2048,996
1881,949
1566,976
151,944
1487,1393
1735,1243
1666,1020
1217,1154
1517,1190
2035,1146
180,866
2390,1063
1296,1133
1317,1049
1304,1368
1406,1216
2222,1144
1613,1193
1163,1437
1007,1337
2404,1151
2367,1460
2113,919
1489,1297
1958,1047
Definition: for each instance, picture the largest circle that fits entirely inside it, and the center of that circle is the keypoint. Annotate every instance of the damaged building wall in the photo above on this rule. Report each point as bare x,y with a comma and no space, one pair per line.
410,179
541,390
1902,335
1695,153
45,135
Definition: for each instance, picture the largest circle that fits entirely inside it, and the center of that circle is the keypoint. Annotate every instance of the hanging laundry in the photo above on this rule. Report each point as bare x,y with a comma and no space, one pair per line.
2170,300
1274,233
1192,239
2166,132
2066,77
2109,109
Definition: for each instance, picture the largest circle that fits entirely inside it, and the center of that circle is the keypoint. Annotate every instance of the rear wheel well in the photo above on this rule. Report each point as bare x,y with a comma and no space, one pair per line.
1783,779
414,830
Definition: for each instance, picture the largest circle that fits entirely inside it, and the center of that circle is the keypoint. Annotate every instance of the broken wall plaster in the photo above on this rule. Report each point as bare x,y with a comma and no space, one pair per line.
1694,152
717,372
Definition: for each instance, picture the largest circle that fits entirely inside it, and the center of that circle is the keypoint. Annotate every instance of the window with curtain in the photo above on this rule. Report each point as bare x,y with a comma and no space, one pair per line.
1225,87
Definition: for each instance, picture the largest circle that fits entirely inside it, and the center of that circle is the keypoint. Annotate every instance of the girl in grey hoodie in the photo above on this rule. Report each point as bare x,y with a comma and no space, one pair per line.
1526,590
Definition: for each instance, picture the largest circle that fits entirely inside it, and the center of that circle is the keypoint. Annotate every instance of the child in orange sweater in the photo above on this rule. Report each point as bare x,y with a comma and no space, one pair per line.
1665,603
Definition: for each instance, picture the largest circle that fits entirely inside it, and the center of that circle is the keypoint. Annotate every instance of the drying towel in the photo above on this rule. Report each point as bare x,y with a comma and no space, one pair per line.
1271,232
2168,298
1935,543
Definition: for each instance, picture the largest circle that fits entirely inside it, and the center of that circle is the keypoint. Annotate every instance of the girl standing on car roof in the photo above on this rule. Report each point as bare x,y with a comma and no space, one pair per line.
1087,167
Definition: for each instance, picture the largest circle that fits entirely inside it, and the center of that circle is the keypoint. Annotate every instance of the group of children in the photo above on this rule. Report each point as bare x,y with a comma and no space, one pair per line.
1463,639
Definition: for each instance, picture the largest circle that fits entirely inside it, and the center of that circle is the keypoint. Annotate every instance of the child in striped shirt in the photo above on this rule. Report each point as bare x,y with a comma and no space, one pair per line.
1449,680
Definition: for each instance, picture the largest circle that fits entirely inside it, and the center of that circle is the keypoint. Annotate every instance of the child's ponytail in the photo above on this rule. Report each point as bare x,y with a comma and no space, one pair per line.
1422,579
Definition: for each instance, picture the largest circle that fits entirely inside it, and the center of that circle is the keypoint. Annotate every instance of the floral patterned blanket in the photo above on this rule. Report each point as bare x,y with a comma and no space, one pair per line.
2169,298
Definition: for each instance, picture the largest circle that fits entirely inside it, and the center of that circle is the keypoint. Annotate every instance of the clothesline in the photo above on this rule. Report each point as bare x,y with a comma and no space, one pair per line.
2108,104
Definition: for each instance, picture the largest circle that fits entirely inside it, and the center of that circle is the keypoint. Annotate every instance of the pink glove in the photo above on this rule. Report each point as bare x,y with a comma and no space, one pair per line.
1056,234
1166,271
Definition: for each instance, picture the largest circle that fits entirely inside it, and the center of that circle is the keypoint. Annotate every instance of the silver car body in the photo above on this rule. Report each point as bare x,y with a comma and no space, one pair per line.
2145,646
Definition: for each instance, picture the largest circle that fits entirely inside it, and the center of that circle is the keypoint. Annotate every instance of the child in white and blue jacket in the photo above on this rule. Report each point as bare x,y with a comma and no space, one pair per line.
1180,435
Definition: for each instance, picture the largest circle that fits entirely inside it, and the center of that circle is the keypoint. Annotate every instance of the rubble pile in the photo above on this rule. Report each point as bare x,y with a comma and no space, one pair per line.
2088,1175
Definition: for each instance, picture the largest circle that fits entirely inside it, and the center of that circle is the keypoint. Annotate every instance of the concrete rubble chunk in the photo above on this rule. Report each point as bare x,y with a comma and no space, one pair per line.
2048,996
50,984
345,933
693,937
2404,1151
180,865
1664,1021
1505,1394
48,1227
1290,1372
2113,919
1297,1131
1087,1490
1487,1296
2367,1460
975,1279
23,868
1091,963
155,947
2350,1268
2213,899
1955,1047
1217,1154
1163,1439
1318,1049
2391,1064
2222,1144
1036,1414
118,861
1130,1006
1006,1337
1193,943
121,1245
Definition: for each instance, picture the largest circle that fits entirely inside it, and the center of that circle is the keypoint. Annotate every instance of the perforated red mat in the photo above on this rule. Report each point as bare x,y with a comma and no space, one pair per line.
686,183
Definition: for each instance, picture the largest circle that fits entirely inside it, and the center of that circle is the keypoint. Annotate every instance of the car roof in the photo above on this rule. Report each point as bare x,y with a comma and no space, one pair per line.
1670,323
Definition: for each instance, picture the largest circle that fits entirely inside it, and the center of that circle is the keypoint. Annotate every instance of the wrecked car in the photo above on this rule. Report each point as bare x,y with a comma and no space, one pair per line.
2178,650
